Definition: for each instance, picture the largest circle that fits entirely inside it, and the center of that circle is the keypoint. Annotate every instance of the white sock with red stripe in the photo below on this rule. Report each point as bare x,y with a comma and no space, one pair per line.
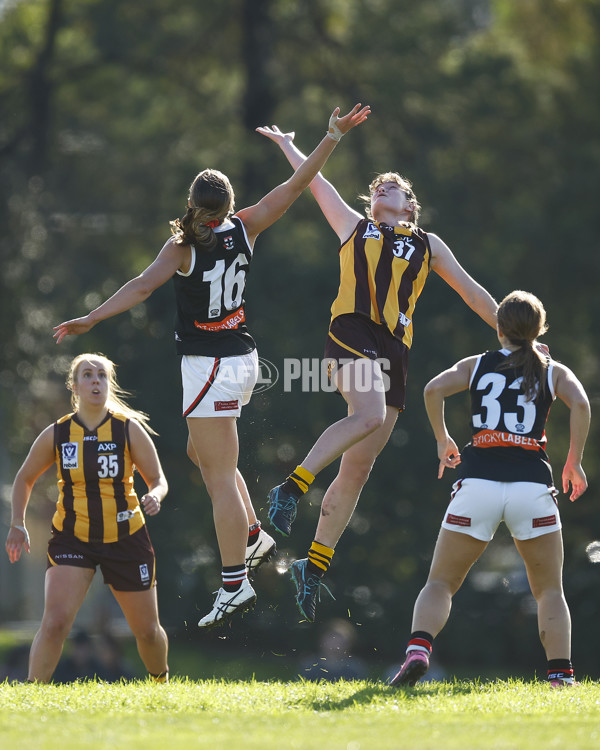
233,577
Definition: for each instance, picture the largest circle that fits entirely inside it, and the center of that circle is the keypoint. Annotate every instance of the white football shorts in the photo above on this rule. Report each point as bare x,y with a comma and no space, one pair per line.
477,507
217,386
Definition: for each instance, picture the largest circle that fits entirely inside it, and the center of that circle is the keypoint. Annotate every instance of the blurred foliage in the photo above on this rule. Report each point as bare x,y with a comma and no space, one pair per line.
491,107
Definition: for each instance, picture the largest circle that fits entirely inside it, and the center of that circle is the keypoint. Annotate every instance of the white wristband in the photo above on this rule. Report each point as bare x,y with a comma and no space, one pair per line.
334,132
24,530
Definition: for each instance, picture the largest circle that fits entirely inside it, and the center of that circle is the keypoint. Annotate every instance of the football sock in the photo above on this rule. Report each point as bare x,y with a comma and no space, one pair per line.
560,669
319,558
160,677
298,482
233,577
420,641
253,533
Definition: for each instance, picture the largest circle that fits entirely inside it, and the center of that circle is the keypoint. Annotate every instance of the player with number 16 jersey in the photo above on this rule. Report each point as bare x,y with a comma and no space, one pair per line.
211,318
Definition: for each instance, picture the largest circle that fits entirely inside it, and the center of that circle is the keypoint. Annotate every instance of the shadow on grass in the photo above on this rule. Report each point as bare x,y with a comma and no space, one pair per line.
371,692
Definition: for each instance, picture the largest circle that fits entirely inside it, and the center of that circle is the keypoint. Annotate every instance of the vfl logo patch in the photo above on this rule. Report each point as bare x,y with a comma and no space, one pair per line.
371,232
228,242
69,455
144,573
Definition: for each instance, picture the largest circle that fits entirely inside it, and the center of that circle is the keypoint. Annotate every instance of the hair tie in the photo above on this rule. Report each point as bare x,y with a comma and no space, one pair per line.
213,224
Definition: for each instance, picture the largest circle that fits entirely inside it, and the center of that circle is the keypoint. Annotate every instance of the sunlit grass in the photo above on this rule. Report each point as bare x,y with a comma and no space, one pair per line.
265,715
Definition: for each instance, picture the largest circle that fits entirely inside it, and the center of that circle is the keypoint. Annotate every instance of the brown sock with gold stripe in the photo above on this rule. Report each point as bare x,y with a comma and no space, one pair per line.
298,482
319,558
160,677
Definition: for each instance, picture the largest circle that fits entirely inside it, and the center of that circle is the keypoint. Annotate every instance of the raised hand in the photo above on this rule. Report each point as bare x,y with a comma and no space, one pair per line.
275,134
338,126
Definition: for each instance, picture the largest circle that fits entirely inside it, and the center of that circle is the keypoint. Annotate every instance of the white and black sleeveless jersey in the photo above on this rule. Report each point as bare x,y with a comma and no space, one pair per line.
508,431
210,318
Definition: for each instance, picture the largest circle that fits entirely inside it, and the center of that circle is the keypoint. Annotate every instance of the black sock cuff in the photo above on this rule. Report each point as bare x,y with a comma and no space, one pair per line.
559,664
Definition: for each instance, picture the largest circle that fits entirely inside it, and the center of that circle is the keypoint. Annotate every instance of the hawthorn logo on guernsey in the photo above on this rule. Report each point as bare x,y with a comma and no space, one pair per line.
69,455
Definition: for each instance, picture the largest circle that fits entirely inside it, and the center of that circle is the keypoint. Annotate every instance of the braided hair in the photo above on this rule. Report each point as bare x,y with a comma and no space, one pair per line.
211,201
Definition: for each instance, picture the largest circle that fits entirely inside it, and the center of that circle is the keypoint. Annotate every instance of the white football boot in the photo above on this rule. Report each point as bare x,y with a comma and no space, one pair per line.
227,603
260,552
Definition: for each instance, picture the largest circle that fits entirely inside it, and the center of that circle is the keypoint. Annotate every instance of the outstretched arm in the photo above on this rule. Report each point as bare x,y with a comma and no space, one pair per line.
170,258
569,389
341,217
272,206
477,298
39,459
451,381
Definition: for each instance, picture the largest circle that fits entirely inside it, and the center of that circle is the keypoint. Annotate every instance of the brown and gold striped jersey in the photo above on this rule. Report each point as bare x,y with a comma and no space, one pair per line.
96,497
382,273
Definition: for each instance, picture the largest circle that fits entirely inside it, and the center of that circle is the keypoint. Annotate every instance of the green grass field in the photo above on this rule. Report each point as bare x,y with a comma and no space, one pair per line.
274,715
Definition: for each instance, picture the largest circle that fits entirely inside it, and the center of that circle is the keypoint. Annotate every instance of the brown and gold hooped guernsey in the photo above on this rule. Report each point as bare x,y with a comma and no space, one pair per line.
97,502
382,273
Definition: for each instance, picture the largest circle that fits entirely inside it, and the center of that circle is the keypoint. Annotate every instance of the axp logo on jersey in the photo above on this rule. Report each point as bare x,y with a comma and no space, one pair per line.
105,447
69,453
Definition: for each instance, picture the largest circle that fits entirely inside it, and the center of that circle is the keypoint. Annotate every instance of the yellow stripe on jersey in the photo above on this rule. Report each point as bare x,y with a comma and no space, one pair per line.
347,290
97,500
391,309
418,285
382,273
